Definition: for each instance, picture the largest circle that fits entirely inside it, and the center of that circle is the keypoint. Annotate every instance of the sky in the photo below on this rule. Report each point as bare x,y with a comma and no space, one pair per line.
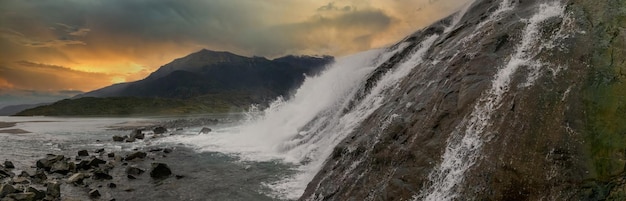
54,49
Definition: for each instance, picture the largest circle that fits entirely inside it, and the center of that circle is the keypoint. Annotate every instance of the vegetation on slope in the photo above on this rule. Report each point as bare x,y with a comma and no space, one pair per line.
605,96
125,106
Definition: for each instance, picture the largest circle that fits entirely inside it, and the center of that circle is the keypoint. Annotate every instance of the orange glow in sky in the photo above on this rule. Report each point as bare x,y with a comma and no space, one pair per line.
51,46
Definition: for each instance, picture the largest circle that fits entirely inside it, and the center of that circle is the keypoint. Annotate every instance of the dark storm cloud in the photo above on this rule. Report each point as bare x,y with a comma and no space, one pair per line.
219,23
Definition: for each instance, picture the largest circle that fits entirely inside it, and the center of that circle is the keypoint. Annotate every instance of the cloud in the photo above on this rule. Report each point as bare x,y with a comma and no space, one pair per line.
331,7
26,75
85,44
21,39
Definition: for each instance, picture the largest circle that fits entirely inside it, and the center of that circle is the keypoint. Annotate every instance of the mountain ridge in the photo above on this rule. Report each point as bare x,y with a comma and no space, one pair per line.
221,76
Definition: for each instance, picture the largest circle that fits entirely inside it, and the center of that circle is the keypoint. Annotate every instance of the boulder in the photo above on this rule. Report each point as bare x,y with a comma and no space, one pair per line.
101,150
60,167
134,170
28,196
160,171
83,165
53,190
39,176
112,185
137,134
205,130
130,139
83,153
95,162
38,194
94,193
6,189
72,166
77,178
159,130
131,177
9,165
46,163
101,175
24,174
4,173
135,155
118,138
111,155
21,180
167,150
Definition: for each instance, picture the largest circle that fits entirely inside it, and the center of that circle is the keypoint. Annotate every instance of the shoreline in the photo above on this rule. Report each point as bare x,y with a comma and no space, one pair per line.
4,124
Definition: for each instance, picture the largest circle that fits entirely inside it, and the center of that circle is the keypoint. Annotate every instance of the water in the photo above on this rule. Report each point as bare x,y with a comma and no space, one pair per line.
208,175
465,143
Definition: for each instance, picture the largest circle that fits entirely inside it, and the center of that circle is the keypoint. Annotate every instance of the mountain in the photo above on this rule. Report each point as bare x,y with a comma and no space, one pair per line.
14,109
202,82
211,72
504,100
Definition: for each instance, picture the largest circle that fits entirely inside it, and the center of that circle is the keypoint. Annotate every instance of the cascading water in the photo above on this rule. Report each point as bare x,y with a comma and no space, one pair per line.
305,129
465,143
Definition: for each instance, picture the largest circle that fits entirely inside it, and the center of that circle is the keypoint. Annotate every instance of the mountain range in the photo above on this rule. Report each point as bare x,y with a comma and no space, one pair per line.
204,81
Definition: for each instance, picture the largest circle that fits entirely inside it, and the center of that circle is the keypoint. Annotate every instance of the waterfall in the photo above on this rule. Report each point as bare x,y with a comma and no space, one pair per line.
465,143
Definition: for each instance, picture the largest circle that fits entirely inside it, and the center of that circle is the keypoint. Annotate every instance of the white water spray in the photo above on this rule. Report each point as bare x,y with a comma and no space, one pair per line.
465,143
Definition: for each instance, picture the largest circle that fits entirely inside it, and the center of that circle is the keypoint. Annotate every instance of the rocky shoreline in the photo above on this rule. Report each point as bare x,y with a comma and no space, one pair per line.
93,174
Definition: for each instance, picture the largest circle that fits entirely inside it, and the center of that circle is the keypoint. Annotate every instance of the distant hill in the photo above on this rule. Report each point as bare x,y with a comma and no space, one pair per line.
206,81
211,72
14,109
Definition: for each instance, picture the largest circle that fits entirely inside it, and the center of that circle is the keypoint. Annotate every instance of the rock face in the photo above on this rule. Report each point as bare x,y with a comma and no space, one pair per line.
511,100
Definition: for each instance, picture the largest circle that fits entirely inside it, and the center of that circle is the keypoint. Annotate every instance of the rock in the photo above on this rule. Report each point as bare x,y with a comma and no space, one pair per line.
167,150
6,189
160,171
38,194
156,149
46,163
53,190
24,174
95,162
60,167
28,196
135,155
4,173
137,134
83,165
131,177
111,155
101,175
205,130
159,130
83,153
39,176
94,193
112,185
21,180
180,176
130,139
117,138
9,165
72,166
100,150
77,178
134,171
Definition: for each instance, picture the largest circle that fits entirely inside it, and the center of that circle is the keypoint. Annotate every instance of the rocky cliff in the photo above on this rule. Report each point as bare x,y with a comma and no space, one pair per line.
505,100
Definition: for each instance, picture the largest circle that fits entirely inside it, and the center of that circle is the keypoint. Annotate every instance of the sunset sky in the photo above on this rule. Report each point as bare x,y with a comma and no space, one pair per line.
53,49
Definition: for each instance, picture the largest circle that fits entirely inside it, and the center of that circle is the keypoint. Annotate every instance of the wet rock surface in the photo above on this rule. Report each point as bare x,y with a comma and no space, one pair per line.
539,133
